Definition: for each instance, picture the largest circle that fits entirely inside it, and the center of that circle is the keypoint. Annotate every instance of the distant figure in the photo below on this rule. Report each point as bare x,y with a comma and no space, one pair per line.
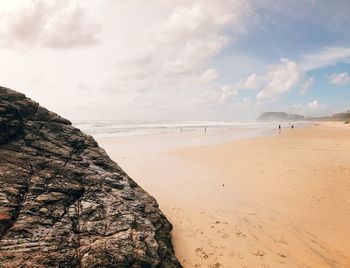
205,129
181,129
292,127
279,129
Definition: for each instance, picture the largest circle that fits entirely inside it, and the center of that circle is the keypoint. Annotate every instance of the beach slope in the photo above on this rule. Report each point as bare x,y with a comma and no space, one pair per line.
273,201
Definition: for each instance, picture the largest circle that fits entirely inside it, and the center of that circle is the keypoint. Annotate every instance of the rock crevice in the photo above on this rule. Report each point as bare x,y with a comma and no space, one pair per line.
65,203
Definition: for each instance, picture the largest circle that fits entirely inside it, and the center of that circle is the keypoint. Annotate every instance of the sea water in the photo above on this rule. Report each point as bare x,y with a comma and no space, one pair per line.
110,128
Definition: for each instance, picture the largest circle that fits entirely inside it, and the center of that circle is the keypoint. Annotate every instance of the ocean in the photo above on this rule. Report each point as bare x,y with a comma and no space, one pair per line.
106,129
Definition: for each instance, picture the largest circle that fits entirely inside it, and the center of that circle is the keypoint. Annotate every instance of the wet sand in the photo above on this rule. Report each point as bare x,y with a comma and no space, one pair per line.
273,201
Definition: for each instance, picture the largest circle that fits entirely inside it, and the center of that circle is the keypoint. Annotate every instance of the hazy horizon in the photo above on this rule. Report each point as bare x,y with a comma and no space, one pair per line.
178,60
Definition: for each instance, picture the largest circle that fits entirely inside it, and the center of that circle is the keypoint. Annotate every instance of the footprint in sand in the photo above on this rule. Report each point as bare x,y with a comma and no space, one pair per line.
258,252
282,255
240,256
201,253
215,265
225,236
240,234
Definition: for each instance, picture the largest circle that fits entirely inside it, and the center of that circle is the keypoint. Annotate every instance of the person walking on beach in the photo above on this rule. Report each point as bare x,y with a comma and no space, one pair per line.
292,127
205,129
279,129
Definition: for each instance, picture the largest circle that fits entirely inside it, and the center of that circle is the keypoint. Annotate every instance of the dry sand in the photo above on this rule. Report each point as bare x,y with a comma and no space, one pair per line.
277,201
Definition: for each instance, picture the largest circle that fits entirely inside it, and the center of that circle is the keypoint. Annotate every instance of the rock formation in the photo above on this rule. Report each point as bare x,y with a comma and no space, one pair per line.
280,116
65,203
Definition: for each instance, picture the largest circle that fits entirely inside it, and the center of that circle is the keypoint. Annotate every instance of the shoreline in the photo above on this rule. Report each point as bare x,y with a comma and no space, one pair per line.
257,202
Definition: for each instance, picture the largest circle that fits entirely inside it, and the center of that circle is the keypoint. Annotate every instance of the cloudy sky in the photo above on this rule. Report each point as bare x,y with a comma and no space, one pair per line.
178,59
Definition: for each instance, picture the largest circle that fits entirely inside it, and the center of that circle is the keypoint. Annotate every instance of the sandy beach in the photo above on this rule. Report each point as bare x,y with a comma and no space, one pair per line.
270,201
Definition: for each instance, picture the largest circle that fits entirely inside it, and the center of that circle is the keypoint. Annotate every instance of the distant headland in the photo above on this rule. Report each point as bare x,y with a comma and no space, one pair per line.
282,116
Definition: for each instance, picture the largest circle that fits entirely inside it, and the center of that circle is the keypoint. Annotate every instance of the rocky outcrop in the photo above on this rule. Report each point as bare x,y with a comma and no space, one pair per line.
280,116
65,203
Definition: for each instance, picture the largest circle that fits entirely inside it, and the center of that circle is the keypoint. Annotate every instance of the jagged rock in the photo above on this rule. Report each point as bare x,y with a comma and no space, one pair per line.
65,203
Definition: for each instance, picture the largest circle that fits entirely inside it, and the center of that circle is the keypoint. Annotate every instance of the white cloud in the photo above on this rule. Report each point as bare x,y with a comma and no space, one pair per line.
181,43
246,102
209,75
313,104
55,24
307,85
339,79
217,96
327,56
312,108
151,55
252,82
227,92
281,79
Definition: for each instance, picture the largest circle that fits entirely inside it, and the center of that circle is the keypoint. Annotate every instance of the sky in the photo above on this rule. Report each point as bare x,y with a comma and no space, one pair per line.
178,59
